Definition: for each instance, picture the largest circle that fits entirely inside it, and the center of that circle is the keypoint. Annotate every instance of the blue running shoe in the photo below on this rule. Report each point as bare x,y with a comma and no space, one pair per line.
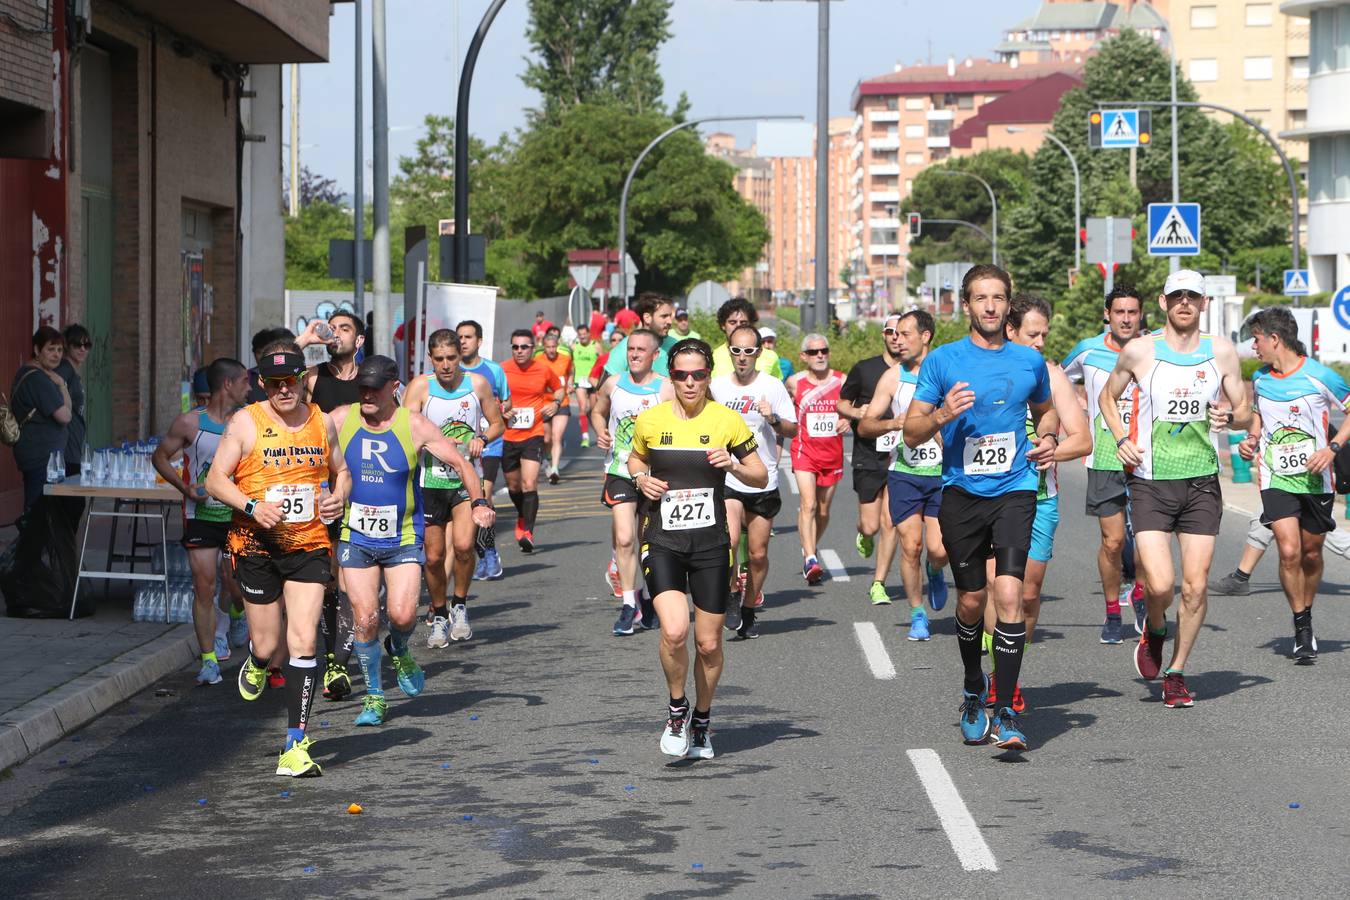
372,710
1006,733
210,673
411,678
918,625
480,570
238,631
625,624
494,564
222,648
937,589
974,720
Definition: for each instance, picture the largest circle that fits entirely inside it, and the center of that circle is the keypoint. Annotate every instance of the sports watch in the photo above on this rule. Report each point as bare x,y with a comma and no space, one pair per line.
249,507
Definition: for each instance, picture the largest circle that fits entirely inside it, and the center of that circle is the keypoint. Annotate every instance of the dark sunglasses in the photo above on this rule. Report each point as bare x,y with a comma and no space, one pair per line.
1190,296
889,331
818,351
690,374
742,351
84,345
281,381
522,346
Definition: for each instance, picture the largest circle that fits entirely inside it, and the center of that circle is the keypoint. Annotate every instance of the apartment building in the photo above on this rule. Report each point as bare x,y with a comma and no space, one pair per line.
1068,30
904,122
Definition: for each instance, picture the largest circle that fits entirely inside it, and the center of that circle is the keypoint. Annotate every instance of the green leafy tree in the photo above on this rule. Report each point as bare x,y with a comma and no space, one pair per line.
940,196
307,237
589,51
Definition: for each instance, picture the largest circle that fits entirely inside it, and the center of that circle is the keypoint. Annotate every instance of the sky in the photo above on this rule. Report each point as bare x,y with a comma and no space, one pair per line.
732,57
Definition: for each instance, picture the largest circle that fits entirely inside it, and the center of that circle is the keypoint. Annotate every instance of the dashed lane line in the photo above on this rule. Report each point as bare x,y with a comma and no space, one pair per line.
874,650
962,832
834,565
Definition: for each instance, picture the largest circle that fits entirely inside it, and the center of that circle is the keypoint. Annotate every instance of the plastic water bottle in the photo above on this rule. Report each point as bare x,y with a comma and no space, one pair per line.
138,607
156,604
323,493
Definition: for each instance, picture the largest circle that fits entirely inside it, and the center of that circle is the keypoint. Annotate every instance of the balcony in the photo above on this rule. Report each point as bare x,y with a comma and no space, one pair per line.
884,197
857,125
857,227
933,143
883,170
857,151
891,222
886,142
884,115
246,31
885,249
857,202
857,175
940,115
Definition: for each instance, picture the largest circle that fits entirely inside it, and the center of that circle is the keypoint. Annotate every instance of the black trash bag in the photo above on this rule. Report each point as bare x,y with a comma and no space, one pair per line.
37,571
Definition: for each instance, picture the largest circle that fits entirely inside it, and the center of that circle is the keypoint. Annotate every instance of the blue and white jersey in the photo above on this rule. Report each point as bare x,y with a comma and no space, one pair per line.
385,506
984,451
1091,362
500,389
1295,410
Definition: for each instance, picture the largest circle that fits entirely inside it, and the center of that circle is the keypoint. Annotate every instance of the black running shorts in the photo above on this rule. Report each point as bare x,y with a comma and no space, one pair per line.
261,578
618,490
492,466
868,483
1176,506
199,535
1313,511
765,504
515,451
438,505
975,528
704,575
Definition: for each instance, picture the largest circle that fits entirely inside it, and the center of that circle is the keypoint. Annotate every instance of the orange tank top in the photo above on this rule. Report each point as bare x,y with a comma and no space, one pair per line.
286,467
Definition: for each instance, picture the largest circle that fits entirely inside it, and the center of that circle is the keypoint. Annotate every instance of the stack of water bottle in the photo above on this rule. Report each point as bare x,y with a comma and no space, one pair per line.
171,601
126,466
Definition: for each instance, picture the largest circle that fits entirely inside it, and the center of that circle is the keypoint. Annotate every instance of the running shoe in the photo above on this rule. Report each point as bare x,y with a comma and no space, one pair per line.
238,631
337,684
1112,630
493,561
700,743
411,678
877,594
675,736
974,720
1019,703
986,644
1007,736
251,679
372,711
1135,597
1305,645
624,625
747,630
612,578
937,589
1175,695
526,541
480,571
585,440
865,544
1148,655
460,630
552,474
1231,586
991,698
276,679
296,763
222,648
440,633
649,620
210,673
812,571
520,527
918,625
742,576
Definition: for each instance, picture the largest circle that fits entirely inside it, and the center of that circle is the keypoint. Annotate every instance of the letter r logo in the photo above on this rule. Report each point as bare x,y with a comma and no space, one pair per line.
375,450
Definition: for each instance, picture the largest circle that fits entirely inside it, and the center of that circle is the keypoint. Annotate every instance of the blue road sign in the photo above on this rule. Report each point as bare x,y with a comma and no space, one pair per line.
1296,283
1173,229
1120,128
1340,307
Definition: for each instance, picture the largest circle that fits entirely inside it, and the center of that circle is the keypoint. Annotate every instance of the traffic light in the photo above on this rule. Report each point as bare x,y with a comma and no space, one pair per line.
915,224
1145,127
1095,129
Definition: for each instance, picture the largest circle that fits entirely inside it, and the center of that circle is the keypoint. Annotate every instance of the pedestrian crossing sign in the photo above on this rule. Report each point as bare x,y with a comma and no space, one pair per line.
1120,128
1296,283
1173,229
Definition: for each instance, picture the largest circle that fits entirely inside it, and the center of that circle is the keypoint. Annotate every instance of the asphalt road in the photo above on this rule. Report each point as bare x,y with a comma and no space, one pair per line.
529,767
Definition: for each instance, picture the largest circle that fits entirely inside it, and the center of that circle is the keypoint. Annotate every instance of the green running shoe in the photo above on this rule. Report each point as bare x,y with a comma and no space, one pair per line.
337,684
251,679
372,710
865,544
296,763
987,645
877,594
411,678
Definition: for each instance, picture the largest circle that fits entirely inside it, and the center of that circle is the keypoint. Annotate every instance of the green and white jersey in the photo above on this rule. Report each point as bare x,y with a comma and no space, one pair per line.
1171,428
625,402
1091,363
1047,482
1295,408
197,458
925,459
459,415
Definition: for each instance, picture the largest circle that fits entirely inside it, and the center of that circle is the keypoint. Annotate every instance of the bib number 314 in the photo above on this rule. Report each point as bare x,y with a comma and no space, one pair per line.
990,454
687,509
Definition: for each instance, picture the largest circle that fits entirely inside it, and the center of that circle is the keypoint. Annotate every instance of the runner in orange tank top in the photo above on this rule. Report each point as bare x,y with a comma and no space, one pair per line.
559,363
273,468
536,395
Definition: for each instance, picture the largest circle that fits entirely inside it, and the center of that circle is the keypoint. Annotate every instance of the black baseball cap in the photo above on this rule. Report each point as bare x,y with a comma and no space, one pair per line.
280,365
376,372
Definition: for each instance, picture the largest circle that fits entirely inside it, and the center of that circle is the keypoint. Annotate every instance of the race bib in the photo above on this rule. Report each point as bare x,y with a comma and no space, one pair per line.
1292,459
296,501
373,521
1181,410
888,442
925,455
522,417
436,471
991,454
1126,409
686,509
822,425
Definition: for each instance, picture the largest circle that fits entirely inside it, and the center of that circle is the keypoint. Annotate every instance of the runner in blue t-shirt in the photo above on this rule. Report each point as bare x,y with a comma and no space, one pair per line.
989,476
470,339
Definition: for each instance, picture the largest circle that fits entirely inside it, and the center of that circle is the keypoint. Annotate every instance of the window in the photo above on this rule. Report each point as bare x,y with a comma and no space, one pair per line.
1331,40
1298,67
913,103
1260,14
909,185
1329,169
1203,70
892,102
965,101
913,159
939,127
1258,68
1204,17
1298,118
884,236
913,131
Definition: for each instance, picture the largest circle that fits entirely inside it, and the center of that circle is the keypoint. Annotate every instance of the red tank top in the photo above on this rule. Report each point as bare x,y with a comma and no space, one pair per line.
818,440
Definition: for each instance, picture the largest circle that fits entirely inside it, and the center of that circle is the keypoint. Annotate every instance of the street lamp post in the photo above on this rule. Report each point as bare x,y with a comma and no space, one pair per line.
1077,195
460,269
632,173
984,234
992,202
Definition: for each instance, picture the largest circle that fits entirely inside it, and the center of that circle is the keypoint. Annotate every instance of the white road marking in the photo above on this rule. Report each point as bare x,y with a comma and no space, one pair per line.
874,651
785,468
962,832
834,565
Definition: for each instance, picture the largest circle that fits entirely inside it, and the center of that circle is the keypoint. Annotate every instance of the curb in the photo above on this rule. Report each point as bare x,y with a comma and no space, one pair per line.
40,723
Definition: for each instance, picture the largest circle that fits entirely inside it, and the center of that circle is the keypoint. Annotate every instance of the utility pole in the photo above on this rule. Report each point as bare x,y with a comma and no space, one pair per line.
460,269
295,140
359,245
380,120
822,304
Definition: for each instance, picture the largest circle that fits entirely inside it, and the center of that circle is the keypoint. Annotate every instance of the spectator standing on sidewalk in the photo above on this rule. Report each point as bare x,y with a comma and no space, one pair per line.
41,403
78,343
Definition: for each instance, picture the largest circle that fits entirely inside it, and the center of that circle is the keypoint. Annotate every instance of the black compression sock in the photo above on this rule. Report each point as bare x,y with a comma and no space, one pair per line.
518,501
529,508
968,640
1241,575
300,682
1010,639
1303,619
346,625
328,622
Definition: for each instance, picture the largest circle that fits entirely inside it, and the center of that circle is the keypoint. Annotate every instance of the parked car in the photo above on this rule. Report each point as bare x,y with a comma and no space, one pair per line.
1309,331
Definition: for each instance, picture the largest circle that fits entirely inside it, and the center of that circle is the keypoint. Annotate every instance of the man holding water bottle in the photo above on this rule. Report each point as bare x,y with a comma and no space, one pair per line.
383,530
206,520
270,468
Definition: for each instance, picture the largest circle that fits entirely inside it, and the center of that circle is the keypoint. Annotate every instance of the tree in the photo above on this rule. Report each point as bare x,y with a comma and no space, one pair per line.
315,188
939,196
307,237
589,51
686,221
